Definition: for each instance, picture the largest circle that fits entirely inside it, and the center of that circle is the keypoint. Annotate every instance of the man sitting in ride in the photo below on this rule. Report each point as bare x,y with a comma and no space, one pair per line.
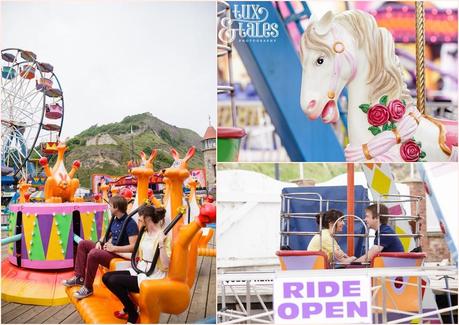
378,222
122,237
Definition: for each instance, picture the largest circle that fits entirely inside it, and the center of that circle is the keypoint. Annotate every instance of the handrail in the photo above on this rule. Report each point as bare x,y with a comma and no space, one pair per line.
365,235
156,256
286,215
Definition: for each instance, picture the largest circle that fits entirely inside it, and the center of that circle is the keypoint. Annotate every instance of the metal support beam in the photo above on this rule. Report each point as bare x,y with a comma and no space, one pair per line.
275,70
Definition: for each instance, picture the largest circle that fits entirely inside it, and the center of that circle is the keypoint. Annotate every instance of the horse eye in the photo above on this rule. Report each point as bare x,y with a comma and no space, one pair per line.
320,60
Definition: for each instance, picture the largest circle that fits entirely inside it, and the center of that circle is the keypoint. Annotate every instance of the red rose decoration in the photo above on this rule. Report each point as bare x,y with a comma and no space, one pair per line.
410,151
396,110
378,115
76,164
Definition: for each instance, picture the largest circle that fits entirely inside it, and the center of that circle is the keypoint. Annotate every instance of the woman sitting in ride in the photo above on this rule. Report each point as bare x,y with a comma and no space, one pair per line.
329,244
123,282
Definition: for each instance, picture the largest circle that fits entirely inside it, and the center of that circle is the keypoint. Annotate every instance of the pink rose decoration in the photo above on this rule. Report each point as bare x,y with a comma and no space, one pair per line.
396,110
378,115
410,151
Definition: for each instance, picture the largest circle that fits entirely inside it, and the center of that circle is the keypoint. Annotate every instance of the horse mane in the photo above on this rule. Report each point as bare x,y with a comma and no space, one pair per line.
385,74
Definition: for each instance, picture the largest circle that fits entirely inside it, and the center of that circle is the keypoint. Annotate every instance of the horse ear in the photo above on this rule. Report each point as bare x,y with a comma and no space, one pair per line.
324,25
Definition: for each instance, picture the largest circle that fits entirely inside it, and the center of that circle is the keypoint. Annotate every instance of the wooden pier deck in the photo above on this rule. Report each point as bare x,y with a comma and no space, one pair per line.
202,305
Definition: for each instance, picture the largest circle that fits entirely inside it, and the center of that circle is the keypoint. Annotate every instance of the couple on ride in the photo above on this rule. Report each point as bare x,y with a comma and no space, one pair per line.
373,219
122,238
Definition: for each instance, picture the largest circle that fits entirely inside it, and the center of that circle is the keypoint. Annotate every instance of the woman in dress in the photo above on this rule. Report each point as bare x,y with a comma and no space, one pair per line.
123,282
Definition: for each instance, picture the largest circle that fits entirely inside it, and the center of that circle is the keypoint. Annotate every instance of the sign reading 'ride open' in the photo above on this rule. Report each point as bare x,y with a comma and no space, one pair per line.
309,300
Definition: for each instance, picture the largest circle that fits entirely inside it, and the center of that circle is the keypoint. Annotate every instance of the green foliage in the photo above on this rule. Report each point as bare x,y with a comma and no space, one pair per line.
383,100
374,130
365,108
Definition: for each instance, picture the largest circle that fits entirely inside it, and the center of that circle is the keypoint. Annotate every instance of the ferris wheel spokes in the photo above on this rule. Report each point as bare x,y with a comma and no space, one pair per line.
32,108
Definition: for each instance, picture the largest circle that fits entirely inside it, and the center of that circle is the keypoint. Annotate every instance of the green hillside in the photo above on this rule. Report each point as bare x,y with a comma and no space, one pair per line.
111,157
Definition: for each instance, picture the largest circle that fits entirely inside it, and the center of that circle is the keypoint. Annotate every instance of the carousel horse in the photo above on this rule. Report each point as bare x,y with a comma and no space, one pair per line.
350,50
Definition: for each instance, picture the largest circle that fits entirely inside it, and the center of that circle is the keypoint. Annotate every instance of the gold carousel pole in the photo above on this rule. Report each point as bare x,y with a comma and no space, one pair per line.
420,71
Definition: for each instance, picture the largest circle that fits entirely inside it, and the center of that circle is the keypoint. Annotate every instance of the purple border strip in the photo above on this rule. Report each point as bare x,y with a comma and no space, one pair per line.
63,208
43,265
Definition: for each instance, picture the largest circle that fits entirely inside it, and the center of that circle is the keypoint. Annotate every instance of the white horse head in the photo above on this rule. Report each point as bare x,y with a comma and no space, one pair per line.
321,82
335,49
350,50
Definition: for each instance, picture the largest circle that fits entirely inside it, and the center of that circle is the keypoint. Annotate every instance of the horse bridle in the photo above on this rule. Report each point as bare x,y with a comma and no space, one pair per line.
339,48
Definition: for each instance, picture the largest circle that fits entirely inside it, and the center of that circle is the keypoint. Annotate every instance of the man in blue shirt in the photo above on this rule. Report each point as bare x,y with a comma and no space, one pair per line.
90,255
378,221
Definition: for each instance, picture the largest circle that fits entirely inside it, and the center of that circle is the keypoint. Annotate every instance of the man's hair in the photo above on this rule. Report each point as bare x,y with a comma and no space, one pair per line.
383,212
119,202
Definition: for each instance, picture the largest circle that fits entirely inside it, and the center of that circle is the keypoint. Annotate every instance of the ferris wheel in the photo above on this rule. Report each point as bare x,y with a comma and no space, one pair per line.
32,110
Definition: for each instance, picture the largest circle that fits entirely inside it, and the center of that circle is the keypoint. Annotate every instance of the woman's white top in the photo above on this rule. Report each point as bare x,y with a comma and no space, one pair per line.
147,249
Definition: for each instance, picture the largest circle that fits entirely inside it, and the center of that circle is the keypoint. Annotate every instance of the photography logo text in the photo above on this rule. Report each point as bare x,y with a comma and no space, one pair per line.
250,23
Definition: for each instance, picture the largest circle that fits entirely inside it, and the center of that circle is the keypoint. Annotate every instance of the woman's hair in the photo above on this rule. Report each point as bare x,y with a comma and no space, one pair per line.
328,216
383,212
155,214
119,202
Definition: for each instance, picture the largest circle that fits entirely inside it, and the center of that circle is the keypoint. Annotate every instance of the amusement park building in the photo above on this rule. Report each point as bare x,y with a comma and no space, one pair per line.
209,150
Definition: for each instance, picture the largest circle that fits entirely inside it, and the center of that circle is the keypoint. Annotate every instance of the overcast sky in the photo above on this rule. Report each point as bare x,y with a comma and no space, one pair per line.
115,58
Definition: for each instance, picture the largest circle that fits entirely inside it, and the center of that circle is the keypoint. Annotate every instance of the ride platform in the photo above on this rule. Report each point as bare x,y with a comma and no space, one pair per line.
202,305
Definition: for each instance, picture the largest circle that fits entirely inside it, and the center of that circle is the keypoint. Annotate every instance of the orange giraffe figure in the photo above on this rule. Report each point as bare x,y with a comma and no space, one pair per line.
175,176
143,174
114,190
104,190
192,199
172,294
207,233
60,186
23,187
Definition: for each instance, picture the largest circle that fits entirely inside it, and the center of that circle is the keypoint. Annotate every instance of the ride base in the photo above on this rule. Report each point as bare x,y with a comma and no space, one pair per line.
26,286
44,255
